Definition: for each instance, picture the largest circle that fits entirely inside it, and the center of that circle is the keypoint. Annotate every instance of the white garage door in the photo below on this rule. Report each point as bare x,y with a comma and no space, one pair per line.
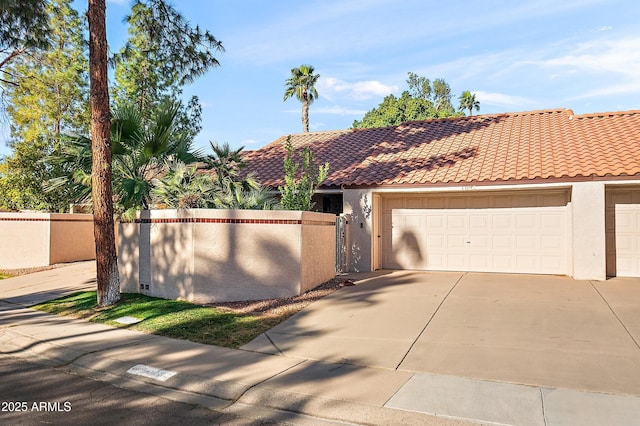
623,232
514,232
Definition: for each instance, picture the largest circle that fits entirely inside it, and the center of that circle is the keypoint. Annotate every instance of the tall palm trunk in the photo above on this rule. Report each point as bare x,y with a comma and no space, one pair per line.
103,228
305,113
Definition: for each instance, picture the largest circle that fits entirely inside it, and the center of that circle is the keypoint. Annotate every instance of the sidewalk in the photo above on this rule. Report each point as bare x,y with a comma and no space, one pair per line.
273,387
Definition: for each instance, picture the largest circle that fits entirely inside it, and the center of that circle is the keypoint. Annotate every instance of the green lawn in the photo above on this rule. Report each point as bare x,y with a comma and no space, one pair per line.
171,318
3,275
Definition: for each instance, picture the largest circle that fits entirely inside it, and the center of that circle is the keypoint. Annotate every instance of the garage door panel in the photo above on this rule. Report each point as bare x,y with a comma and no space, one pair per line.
479,222
479,261
551,242
552,221
503,263
456,262
457,222
623,231
526,221
456,242
527,263
479,242
435,222
509,233
502,242
502,222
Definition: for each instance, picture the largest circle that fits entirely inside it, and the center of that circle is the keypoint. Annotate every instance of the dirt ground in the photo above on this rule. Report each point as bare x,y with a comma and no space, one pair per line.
287,305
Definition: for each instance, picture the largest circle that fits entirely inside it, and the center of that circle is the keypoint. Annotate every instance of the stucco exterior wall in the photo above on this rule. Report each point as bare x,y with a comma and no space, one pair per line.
206,255
359,204
72,238
39,239
317,267
588,231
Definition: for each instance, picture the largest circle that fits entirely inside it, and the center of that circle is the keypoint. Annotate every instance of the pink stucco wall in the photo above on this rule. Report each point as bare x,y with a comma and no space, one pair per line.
39,239
204,255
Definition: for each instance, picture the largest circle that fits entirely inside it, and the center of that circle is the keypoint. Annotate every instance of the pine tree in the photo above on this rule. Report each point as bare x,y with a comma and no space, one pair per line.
163,53
108,280
47,95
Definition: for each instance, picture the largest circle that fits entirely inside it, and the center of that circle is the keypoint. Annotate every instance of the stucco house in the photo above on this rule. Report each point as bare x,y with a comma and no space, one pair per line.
545,192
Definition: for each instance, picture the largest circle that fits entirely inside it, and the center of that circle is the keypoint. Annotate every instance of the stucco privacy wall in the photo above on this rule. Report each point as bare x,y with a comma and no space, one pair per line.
204,255
40,239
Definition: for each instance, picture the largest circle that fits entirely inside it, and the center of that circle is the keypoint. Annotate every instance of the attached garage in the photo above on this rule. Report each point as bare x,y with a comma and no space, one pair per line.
623,231
517,232
546,192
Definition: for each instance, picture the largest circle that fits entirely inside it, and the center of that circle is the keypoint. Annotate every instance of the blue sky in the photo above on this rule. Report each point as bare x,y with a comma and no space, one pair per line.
514,55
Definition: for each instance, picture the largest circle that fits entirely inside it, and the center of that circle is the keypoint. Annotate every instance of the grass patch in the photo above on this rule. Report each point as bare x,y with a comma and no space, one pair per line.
3,275
171,318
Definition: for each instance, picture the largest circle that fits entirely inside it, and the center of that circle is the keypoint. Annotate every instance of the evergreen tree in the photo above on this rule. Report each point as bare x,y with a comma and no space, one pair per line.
162,54
24,24
422,101
107,278
47,95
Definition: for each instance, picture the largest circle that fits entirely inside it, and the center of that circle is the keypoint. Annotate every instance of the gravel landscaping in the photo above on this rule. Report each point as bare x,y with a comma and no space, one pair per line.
290,305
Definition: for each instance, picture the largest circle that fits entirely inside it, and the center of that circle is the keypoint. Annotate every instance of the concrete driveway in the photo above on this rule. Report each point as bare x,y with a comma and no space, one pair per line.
529,329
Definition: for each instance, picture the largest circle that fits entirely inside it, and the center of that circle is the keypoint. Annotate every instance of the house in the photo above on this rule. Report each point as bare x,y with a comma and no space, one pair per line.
543,192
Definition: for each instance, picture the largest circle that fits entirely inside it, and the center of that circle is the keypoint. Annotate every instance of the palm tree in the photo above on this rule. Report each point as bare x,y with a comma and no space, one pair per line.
302,85
468,101
140,151
225,161
182,187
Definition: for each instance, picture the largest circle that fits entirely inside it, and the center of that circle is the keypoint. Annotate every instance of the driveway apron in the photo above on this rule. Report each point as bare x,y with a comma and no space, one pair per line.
528,329
374,323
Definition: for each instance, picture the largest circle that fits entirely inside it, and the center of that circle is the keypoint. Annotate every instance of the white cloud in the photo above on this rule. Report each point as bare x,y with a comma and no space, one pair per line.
611,90
248,142
503,100
616,62
618,56
317,126
357,90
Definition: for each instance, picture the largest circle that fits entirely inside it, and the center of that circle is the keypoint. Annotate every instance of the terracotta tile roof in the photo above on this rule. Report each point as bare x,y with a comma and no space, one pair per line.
548,144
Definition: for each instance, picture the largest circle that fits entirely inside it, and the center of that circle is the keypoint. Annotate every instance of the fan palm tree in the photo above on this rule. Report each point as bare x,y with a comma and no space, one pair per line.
225,161
468,101
140,151
182,187
301,84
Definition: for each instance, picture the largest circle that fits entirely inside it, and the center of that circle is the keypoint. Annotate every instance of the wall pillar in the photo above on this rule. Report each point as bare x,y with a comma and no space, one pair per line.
589,231
359,204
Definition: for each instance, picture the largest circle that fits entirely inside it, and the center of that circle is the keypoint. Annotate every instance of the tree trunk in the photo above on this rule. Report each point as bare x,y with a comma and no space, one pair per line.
103,227
305,114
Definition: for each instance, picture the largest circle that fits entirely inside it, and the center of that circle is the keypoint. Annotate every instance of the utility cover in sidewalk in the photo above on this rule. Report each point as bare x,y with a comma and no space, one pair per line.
128,320
151,372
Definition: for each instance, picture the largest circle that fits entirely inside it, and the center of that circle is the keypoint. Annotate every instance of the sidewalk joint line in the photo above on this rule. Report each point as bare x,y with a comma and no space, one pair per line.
544,412
244,392
606,302
430,319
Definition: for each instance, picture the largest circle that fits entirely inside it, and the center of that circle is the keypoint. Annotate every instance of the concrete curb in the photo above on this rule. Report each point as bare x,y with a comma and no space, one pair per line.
248,400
